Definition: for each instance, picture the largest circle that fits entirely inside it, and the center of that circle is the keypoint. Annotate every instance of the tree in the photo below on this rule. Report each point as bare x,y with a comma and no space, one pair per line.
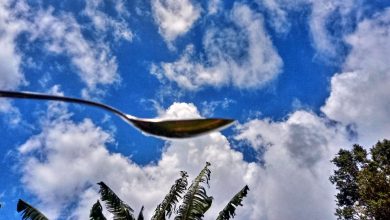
363,182
194,205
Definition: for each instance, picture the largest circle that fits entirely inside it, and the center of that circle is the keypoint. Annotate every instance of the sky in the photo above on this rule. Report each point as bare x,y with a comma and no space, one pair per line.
301,78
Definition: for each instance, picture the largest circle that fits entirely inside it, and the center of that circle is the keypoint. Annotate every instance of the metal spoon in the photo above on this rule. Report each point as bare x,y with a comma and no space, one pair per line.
183,128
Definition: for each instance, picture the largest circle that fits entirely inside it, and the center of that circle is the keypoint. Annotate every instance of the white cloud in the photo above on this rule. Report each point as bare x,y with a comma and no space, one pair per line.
295,173
64,161
10,60
11,75
241,55
62,164
185,111
294,181
278,16
360,95
328,20
105,24
208,108
62,35
297,150
321,16
214,6
174,18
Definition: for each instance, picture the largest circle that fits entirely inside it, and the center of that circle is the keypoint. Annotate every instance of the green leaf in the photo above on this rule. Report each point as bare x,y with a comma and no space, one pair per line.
230,208
195,201
168,205
97,212
114,204
29,212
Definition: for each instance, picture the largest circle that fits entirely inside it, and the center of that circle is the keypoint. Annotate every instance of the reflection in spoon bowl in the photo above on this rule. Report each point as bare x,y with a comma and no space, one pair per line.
181,128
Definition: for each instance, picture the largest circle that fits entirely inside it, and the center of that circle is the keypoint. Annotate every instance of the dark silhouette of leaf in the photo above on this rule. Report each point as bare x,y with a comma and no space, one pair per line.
114,204
29,212
195,201
168,205
141,214
230,208
97,212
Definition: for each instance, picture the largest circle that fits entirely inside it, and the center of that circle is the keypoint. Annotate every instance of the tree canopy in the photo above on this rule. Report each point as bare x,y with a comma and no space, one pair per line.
363,182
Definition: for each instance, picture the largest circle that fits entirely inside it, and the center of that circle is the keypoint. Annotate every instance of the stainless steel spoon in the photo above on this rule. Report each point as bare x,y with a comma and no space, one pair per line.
183,128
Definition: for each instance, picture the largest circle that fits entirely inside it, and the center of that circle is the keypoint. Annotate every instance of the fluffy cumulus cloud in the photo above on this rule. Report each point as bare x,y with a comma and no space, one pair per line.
298,149
241,55
62,164
296,164
294,174
174,18
360,95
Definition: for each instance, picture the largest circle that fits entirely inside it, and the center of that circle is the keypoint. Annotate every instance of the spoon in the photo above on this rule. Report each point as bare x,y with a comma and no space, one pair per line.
182,128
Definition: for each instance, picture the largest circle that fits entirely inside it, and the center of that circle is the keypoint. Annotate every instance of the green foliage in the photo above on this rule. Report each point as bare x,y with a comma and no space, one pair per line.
230,208
97,212
114,204
363,182
195,201
29,212
168,205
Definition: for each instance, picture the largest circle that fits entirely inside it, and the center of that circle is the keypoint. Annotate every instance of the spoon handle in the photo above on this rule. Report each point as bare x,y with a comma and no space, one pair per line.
41,96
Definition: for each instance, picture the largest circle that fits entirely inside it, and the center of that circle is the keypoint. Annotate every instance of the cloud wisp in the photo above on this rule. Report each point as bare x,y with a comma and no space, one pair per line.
327,20
62,34
11,75
241,55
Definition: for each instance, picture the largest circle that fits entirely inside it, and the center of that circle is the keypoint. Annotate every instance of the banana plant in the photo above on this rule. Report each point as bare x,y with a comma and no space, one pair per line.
230,208
196,202
194,205
168,205
114,204
29,212
97,212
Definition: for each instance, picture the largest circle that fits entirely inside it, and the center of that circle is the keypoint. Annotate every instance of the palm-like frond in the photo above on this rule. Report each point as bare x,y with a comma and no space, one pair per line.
114,204
230,208
168,205
141,214
29,212
195,201
97,212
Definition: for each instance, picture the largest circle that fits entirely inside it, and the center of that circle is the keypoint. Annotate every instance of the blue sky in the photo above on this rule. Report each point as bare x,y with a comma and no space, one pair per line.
302,78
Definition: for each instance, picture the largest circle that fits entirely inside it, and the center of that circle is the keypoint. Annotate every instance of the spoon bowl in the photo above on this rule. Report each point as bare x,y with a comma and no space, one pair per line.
180,128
